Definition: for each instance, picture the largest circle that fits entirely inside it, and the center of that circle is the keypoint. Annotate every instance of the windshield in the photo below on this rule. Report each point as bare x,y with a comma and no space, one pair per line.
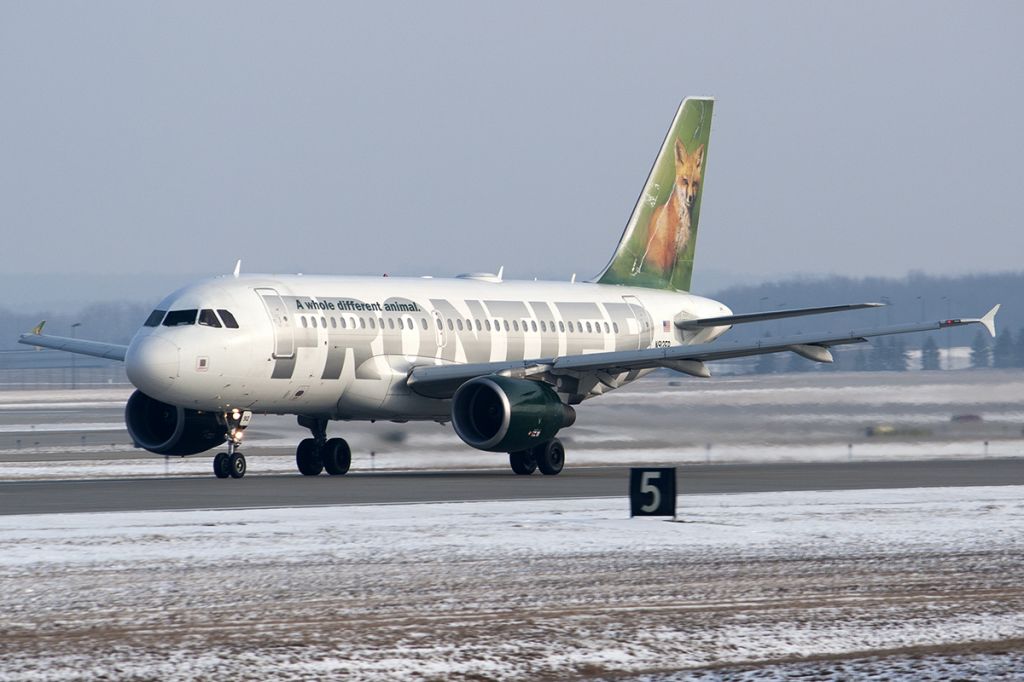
208,318
177,318
154,318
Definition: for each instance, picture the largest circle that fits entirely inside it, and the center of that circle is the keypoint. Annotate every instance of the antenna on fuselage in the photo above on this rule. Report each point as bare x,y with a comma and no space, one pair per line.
238,268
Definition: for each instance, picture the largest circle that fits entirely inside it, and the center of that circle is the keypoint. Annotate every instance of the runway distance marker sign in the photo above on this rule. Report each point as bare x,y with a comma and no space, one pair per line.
652,491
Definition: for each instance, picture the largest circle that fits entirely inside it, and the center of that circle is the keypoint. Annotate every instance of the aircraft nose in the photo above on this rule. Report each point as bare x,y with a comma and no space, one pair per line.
152,364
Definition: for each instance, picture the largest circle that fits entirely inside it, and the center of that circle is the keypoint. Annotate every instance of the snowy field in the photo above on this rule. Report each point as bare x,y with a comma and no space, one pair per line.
825,585
465,459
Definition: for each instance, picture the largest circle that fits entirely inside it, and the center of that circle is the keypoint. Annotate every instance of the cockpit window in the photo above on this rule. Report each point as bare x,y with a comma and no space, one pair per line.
208,318
178,318
229,319
154,318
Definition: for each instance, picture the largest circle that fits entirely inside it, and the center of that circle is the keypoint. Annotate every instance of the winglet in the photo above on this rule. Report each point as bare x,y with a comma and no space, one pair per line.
989,320
38,329
238,268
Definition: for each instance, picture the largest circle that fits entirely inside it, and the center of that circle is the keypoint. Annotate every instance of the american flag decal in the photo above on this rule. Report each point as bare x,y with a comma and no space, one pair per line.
666,326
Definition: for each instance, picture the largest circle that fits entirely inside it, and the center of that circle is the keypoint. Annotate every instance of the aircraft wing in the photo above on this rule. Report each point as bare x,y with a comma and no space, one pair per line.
98,349
441,381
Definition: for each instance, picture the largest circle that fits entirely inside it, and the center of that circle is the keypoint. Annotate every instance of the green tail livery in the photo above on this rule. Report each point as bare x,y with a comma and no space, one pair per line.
657,246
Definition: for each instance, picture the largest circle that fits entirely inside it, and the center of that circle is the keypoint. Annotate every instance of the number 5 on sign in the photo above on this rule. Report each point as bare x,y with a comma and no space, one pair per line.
652,492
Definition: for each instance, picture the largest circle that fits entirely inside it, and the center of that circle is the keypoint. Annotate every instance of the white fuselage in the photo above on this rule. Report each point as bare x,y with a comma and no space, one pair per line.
343,347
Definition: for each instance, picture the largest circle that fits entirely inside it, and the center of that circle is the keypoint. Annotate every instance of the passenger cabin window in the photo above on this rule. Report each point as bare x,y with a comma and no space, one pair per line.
179,318
208,318
154,318
228,318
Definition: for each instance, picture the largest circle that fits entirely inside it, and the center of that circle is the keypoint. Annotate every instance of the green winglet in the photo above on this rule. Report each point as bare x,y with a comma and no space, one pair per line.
38,329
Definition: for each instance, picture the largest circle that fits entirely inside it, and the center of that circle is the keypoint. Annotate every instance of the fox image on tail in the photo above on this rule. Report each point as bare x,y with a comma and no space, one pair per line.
668,232
657,247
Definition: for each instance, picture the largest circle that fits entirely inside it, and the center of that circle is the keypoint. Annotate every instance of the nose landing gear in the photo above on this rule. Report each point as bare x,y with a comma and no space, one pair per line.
232,463
319,453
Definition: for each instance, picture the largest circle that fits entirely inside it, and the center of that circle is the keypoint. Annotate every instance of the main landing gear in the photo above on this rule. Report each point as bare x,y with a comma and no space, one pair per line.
549,457
320,453
232,462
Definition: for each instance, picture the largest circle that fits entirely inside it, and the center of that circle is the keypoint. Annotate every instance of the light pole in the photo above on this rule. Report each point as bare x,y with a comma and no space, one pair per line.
949,343
74,367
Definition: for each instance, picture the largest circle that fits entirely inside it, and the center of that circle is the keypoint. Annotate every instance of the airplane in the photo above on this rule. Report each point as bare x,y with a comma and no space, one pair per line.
505,362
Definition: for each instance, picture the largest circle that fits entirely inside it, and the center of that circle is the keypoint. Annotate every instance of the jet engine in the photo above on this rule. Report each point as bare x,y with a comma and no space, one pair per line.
500,414
168,429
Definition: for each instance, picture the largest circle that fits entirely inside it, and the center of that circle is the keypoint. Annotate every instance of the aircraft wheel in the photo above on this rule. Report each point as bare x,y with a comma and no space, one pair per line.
236,465
337,456
550,457
523,462
307,457
221,466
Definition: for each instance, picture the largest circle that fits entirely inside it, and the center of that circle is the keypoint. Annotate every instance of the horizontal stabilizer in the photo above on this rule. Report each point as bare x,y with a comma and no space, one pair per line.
729,320
97,349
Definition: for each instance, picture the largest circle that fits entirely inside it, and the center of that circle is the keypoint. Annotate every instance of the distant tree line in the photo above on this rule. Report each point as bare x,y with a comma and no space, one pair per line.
893,354
111,322
1007,351
914,298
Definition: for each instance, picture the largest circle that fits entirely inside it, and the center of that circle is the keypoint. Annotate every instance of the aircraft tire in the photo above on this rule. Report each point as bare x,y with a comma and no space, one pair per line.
307,458
221,465
337,456
236,465
523,462
550,457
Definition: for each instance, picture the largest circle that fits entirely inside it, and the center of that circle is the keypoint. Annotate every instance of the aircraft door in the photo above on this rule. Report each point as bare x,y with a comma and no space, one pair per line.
284,335
640,317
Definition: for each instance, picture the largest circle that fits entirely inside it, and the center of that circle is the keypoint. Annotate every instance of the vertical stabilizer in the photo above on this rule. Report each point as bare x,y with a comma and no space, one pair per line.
657,246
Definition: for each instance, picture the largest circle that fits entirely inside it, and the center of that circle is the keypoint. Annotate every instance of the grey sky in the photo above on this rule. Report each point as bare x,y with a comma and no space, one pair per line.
172,138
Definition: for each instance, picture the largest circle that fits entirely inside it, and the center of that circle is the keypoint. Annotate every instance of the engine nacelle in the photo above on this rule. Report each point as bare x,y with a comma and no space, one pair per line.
168,429
500,414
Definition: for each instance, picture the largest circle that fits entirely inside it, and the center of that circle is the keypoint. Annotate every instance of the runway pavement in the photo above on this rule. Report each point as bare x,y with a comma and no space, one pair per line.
34,497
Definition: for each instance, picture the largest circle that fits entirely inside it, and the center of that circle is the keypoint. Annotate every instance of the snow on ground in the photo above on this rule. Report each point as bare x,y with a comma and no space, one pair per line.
512,589
463,458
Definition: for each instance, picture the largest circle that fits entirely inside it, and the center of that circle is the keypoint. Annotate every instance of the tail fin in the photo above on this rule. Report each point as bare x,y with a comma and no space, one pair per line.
656,249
